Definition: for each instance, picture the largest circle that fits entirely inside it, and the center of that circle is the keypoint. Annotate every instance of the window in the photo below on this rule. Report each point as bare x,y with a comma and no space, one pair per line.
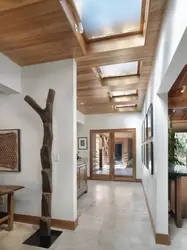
104,18
121,69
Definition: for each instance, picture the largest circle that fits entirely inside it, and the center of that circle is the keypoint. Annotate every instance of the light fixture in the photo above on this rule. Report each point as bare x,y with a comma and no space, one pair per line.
173,110
79,28
182,89
82,103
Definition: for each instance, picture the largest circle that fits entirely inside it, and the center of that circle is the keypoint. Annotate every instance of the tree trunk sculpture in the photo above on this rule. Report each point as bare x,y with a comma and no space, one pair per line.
45,154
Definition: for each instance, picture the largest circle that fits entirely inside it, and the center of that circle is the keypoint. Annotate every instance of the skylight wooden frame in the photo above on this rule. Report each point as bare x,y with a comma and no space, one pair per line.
97,72
132,33
130,97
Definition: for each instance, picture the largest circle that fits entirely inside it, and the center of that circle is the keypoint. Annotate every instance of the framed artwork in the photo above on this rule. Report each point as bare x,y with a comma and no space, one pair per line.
82,143
146,128
10,160
142,148
144,154
143,131
150,160
150,122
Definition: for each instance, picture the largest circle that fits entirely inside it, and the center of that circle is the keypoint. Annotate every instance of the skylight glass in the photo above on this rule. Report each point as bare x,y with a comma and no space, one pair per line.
102,18
121,69
123,93
125,106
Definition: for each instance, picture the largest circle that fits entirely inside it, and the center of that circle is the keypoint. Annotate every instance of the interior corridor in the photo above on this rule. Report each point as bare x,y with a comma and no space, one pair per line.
112,216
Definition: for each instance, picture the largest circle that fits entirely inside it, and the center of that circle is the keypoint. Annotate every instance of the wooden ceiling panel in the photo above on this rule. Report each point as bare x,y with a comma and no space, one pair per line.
177,97
37,31
40,32
47,52
113,57
43,29
12,4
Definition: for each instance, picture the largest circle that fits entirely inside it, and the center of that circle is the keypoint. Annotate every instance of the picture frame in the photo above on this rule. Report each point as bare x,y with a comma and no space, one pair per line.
150,122
150,157
10,157
142,148
82,143
144,154
146,128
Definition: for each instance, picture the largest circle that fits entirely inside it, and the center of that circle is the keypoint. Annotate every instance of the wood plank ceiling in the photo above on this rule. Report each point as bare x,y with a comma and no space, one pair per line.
37,31
177,98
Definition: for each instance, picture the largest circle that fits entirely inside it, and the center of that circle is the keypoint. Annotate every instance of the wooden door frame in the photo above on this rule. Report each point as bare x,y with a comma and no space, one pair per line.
133,177
98,176
111,176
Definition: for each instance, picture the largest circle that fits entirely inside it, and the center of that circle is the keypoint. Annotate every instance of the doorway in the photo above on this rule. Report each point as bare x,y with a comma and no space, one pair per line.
113,154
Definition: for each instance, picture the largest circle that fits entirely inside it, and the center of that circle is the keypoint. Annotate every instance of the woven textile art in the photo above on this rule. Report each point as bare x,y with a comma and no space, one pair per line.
9,150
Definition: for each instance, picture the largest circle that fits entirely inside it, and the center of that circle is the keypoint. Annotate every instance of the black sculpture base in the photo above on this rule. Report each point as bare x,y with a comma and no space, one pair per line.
45,242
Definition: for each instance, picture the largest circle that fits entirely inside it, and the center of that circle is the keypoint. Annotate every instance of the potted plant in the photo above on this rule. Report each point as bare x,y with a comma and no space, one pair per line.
174,145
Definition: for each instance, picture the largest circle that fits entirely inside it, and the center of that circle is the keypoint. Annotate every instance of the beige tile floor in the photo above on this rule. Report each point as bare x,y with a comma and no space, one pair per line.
112,216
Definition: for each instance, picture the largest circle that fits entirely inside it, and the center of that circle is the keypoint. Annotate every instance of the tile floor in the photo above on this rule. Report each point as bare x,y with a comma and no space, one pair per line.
112,216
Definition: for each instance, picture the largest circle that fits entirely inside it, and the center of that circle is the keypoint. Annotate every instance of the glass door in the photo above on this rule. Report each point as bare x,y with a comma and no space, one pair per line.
100,155
123,155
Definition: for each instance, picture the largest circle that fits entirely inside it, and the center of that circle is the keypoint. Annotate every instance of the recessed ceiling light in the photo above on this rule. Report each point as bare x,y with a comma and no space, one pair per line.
82,103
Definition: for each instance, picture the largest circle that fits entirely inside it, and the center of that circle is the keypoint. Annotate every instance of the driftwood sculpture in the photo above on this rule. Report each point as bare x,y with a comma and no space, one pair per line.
45,154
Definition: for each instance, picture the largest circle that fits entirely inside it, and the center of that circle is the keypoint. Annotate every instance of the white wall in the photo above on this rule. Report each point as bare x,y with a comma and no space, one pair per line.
172,33
10,76
16,113
80,117
112,121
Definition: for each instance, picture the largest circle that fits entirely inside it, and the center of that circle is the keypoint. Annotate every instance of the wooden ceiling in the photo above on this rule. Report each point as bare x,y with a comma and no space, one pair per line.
177,97
37,31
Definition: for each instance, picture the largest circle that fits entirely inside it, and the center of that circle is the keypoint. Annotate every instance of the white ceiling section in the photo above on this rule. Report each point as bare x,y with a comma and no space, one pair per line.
121,69
101,18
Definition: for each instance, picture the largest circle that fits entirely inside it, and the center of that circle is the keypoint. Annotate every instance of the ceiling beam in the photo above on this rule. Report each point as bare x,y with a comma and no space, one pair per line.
120,81
112,57
72,21
116,44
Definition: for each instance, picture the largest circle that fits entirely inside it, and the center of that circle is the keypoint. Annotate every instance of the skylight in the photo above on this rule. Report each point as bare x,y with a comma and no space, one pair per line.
123,93
125,106
121,69
103,18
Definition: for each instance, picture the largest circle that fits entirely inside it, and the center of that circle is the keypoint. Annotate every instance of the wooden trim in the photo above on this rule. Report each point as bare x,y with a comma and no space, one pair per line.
63,224
5,218
72,21
125,179
101,177
162,239
142,16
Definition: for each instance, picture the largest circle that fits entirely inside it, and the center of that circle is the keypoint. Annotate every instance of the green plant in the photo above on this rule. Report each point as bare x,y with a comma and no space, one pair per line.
174,146
130,164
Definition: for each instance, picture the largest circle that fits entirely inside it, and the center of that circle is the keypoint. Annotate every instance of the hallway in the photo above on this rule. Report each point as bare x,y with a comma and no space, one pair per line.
112,216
